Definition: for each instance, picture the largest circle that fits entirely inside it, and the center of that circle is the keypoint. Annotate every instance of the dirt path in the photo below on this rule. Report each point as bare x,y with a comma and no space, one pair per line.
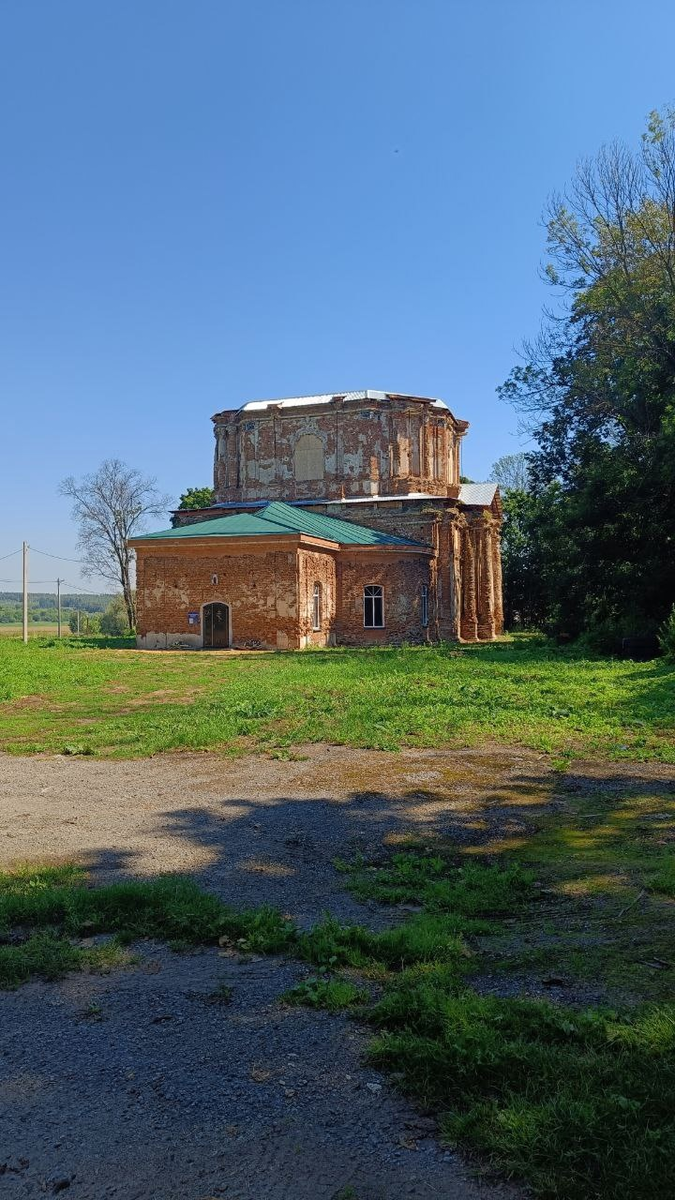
256,830
134,1085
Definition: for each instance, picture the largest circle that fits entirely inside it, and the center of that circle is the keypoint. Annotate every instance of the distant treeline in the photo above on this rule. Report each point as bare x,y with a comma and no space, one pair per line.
42,606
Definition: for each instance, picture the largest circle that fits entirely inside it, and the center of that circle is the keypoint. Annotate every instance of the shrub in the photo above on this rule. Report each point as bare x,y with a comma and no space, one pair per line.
667,636
114,621
88,623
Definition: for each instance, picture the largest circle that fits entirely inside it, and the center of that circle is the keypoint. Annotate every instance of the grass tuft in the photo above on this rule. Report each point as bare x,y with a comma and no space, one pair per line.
318,991
55,903
471,890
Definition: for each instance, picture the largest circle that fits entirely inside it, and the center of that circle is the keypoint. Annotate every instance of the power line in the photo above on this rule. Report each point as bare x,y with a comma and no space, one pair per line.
10,555
76,586
87,591
60,557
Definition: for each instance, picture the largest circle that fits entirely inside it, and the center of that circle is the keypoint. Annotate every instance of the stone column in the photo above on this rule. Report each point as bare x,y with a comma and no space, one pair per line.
440,569
451,611
497,580
468,624
276,437
339,447
219,467
486,620
425,461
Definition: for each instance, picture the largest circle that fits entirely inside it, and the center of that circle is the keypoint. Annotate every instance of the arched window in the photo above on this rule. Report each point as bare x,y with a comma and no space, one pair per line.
308,458
316,607
424,605
373,606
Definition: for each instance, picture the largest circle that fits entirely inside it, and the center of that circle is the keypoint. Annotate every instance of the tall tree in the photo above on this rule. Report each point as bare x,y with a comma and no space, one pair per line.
511,472
195,497
520,568
110,506
598,391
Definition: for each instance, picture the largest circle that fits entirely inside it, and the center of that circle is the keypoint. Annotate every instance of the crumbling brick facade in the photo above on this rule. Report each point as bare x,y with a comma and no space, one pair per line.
383,461
352,444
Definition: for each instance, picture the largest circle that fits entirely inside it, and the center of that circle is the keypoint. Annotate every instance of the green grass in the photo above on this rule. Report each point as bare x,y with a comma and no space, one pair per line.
469,889
318,991
108,699
55,908
580,1103
48,956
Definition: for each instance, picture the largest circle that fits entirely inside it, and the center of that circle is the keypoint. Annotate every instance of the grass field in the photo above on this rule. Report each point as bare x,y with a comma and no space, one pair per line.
574,1094
35,629
101,697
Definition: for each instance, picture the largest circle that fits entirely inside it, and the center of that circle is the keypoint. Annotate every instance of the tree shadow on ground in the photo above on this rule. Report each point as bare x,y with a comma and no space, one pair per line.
596,837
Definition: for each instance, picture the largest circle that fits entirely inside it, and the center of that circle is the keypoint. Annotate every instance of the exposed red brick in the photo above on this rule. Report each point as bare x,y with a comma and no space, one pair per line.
329,455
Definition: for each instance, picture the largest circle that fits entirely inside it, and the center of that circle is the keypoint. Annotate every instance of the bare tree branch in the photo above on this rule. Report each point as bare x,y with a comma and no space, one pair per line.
110,506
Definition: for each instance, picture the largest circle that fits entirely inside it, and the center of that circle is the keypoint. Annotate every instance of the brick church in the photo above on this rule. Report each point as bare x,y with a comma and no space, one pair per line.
338,520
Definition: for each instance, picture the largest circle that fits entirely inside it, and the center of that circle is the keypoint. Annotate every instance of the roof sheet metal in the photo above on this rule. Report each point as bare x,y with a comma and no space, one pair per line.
278,518
477,494
326,398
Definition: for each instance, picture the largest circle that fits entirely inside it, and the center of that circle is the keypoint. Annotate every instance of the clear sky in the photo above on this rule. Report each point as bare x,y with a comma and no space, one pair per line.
209,201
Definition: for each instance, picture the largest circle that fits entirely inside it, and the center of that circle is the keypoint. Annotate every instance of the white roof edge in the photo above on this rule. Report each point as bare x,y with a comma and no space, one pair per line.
327,398
469,493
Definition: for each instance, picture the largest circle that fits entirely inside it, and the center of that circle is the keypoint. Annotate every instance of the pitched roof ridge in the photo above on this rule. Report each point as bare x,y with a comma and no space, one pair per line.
278,517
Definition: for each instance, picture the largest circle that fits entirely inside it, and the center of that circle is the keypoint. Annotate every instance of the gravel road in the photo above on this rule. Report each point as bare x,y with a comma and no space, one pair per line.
137,1085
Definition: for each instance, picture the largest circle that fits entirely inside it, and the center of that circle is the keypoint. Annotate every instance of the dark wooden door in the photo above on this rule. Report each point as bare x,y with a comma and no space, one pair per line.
216,626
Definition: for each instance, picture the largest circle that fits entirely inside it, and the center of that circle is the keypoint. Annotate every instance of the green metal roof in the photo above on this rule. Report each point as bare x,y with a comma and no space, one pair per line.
280,518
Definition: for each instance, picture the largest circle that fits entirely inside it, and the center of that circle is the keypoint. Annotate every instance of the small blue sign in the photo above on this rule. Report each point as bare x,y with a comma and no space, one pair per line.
193,618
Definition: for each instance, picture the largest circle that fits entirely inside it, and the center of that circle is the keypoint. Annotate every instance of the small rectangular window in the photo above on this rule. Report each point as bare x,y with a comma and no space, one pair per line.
373,606
316,607
424,605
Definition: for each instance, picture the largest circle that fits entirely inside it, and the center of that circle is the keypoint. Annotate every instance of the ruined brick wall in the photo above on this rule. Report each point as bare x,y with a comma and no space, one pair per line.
316,568
261,589
402,579
413,519
350,447
433,522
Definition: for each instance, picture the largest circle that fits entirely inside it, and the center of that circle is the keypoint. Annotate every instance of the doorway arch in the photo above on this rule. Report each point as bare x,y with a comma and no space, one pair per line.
216,626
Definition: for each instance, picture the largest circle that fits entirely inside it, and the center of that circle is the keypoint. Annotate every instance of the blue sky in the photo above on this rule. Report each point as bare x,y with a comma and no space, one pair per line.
207,202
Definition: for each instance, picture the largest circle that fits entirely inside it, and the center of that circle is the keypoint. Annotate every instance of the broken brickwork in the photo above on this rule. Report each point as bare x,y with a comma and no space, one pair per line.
384,461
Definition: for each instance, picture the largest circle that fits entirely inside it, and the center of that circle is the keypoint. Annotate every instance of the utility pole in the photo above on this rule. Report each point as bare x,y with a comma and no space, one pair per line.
78,620
24,551
58,607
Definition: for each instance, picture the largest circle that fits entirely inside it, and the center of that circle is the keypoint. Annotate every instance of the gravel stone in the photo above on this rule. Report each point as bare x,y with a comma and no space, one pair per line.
164,1095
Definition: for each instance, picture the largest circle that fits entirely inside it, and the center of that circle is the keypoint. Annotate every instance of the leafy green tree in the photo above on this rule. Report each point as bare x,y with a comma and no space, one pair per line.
114,621
597,391
521,571
197,497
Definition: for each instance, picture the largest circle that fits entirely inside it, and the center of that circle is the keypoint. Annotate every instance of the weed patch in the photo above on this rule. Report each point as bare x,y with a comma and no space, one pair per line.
318,991
470,890
49,956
